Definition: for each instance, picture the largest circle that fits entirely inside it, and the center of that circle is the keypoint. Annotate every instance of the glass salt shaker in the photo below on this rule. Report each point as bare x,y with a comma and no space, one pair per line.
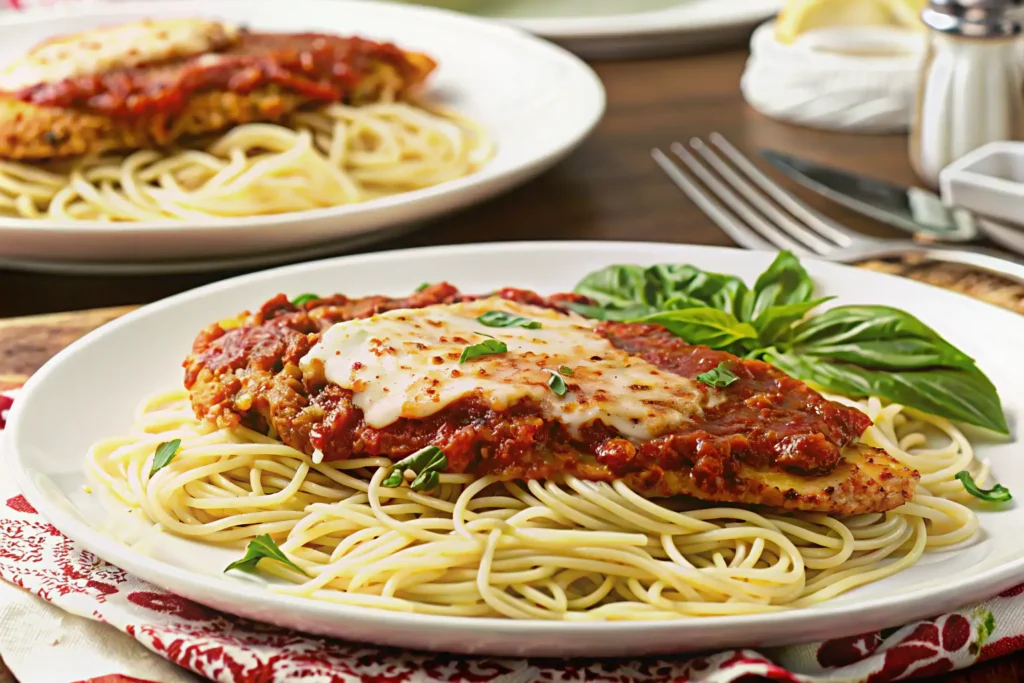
971,90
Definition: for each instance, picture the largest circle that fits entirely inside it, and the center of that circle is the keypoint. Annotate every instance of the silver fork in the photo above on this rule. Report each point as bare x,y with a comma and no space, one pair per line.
758,214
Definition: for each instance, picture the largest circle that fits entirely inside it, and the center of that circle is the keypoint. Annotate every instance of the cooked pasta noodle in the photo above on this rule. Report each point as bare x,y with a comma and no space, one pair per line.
566,549
336,155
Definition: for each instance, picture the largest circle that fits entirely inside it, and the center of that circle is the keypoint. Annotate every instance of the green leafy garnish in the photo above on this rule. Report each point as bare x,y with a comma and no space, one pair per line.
557,384
565,370
423,285
259,548
709,327
719,376
302,299
165,452
503,319
784,283
996,494
427,463
853,350
484,348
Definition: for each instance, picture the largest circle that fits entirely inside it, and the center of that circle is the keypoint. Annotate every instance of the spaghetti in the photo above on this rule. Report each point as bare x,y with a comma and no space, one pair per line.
336,155
558,549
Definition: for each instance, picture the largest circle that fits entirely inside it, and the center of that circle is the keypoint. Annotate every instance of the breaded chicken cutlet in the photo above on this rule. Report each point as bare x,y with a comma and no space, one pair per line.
147,84
765,439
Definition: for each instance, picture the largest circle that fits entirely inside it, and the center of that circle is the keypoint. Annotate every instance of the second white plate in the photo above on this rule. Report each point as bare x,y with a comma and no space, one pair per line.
615,29
535,100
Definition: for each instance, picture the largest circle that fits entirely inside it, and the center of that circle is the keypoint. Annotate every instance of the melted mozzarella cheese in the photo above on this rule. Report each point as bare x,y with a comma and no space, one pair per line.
405,364
98,50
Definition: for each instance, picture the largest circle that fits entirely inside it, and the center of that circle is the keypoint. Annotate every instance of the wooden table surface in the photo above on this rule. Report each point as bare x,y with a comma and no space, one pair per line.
608,189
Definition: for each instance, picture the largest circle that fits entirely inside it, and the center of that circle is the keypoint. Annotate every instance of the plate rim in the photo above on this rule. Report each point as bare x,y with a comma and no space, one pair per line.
113,10
968,589
665,21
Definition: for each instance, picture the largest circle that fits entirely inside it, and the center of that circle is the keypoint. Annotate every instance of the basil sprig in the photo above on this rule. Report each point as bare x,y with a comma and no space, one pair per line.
163,455
259,548
718,376
503,319
853,350
303,299
996,494
488,347
427,463
556,383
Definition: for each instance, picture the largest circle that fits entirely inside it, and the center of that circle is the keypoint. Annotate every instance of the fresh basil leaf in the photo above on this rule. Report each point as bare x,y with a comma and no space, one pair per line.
302,299
644,291
428,480
718,376
685,283
163,455
996,494
876,337
565,370
503,319
707,326
681,301
618,286
423,285
427,459
261,547
610,314
775,323
963,395
488,347
557,384
784,282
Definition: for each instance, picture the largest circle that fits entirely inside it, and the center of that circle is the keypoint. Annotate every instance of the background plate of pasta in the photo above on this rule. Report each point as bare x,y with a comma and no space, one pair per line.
192,132
553,449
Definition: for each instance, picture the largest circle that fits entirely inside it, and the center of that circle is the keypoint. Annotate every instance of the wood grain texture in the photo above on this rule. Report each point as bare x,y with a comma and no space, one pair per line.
26,343
608,189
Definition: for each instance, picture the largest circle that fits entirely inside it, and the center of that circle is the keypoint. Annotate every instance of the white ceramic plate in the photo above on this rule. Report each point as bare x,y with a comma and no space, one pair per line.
91,389
625,28
535,100
206,265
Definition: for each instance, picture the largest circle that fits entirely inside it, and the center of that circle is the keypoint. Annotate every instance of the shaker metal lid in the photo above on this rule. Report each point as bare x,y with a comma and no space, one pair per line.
973,18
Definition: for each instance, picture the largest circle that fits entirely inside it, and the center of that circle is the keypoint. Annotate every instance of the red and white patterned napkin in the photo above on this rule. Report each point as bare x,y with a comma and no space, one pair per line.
80,619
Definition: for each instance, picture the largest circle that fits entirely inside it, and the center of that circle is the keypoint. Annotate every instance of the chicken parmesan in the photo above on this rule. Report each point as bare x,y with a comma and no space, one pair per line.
205,104
504,455
342,378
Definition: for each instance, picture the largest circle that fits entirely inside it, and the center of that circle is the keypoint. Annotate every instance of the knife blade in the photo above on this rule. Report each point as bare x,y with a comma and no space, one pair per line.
912,209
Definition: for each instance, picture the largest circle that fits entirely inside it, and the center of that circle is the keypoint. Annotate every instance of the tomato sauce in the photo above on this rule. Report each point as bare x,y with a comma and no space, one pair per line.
322,68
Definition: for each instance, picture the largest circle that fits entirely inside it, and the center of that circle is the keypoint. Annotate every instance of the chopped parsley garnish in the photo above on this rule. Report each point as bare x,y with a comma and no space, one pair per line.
302,299
261,547
165,452
503,319
996,494
427,463
489,347
720,376
565,370
423,285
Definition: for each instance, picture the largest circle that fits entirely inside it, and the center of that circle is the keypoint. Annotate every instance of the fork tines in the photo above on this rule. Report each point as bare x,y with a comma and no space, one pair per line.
745,203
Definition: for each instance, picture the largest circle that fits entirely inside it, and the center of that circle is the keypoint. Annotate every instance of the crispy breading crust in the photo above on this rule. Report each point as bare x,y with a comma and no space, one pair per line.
29,132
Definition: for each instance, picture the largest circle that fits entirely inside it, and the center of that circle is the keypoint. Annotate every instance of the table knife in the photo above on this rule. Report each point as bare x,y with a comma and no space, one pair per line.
912,209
